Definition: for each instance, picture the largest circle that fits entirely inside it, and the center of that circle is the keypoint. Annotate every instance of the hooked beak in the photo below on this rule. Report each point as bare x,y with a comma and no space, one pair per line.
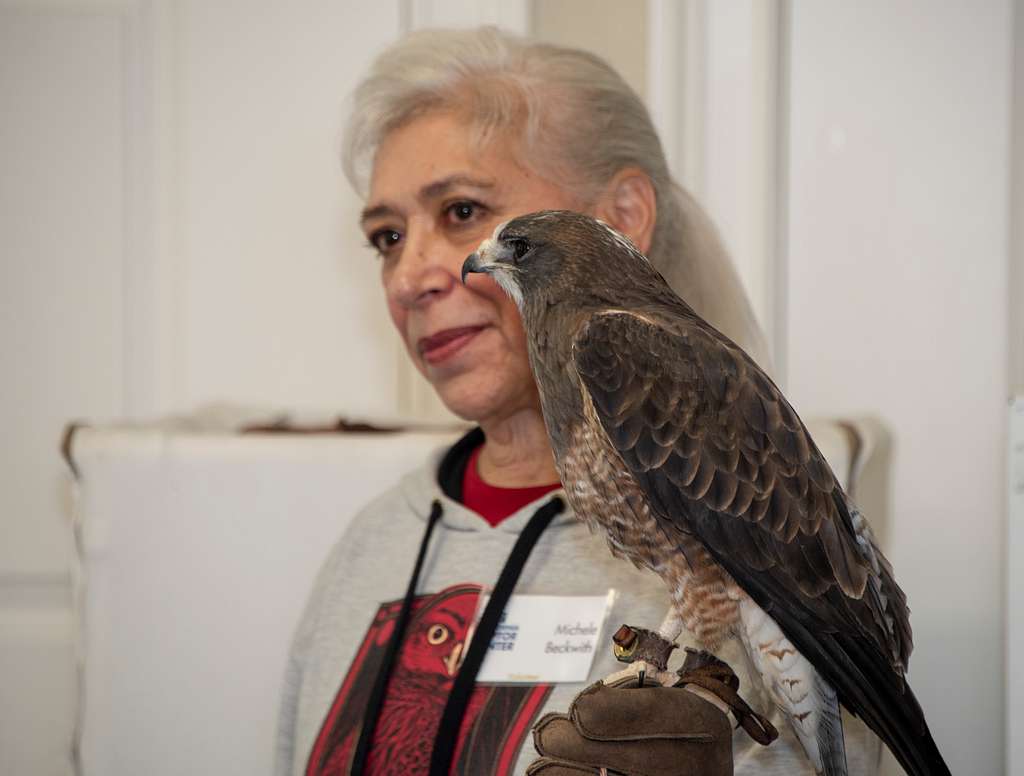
488,257
471,264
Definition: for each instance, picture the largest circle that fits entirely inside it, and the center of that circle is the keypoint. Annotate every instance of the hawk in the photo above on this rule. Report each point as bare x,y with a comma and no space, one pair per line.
668,437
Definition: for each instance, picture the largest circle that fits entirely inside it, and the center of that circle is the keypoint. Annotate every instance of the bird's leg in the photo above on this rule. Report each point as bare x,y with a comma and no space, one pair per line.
671,626
646,652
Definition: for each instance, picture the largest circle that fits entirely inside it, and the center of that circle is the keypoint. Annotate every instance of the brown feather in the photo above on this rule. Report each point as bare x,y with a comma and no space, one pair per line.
689,457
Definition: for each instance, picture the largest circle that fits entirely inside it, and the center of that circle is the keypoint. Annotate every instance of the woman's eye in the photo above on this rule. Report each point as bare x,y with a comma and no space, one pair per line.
463,211
383,240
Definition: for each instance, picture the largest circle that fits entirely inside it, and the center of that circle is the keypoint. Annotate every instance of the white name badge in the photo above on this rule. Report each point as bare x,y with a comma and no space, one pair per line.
543,639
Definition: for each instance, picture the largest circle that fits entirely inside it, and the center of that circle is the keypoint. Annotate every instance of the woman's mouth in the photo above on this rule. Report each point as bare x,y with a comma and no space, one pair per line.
445,344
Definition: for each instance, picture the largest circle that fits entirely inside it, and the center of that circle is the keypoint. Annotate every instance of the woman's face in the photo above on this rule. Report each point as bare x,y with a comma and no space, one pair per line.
432,201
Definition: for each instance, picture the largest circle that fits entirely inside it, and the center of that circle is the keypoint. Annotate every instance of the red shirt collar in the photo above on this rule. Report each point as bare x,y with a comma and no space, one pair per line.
491,502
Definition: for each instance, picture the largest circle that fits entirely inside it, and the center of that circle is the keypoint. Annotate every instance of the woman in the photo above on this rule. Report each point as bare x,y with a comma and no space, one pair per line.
451,134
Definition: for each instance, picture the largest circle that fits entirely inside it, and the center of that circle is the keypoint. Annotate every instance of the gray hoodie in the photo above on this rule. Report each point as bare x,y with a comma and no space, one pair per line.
344,627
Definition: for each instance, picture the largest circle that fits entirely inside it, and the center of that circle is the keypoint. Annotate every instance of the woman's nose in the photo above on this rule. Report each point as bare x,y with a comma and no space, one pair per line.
423,270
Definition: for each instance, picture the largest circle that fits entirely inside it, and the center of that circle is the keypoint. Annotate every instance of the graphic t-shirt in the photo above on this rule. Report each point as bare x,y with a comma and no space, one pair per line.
496,723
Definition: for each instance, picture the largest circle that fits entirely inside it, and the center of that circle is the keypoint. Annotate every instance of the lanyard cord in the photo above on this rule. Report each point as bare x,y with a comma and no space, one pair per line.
465,680
380,684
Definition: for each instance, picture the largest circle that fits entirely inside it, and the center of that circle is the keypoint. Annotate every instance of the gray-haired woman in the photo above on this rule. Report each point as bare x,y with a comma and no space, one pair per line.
451,134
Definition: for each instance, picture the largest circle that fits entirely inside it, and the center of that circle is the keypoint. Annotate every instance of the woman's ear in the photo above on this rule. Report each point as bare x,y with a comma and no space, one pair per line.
630,205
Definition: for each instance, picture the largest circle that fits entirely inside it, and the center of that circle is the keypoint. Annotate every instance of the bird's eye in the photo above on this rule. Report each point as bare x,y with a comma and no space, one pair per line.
520,248
437,634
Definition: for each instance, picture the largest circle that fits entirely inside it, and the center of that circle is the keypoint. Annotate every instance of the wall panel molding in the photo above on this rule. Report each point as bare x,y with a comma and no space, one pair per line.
676,83
154,360
1014,596
719,104
85,105
744,135
1014,600
150,292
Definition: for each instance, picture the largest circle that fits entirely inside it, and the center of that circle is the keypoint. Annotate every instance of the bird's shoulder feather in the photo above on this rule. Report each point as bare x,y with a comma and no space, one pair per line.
719,452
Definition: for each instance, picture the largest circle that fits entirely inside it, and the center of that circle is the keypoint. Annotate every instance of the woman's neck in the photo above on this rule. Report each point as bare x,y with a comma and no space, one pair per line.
517,453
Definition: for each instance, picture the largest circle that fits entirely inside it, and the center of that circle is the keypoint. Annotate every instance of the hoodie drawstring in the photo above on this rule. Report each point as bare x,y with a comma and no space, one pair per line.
465,681
380,684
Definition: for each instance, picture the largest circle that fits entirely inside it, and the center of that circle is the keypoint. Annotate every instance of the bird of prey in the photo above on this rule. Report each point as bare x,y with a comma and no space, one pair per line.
668,437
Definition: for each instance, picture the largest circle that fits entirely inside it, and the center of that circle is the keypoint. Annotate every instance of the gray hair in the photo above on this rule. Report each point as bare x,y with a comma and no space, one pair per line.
579,124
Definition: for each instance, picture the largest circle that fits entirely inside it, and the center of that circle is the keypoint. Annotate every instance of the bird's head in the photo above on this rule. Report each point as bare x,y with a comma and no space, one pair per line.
553,254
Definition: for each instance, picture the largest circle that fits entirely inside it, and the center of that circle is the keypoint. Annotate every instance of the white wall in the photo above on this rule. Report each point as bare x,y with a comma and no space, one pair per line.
278,301
61,326
612,29
899,159
174,229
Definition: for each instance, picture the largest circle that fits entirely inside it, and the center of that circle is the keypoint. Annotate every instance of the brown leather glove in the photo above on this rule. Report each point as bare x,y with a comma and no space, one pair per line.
649,730
653,731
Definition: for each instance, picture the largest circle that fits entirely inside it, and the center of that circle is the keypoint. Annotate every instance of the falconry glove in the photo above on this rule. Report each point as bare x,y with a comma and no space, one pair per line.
650,730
